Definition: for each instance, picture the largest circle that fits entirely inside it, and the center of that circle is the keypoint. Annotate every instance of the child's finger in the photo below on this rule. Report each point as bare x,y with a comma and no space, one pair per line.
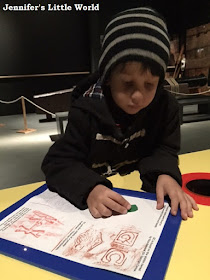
189,209
94,212
174,205
194,204
120,200
184,208
160,198
116,207
104,210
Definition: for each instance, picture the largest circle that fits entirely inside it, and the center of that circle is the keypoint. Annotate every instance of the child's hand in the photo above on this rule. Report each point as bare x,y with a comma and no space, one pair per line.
166,185
102,202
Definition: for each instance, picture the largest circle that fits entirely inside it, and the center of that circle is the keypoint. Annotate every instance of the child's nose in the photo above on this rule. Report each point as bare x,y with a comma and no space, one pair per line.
136,96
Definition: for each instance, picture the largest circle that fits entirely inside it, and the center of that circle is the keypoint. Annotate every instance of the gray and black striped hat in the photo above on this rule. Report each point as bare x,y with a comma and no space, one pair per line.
133,35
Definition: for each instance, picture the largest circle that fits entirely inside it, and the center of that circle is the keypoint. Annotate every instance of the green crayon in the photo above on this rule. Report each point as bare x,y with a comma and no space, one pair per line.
133,208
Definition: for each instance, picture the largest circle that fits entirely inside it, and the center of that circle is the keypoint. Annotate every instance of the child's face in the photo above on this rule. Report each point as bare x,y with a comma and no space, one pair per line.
132,87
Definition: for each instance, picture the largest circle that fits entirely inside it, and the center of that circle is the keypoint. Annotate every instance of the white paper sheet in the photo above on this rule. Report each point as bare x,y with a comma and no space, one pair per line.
122,243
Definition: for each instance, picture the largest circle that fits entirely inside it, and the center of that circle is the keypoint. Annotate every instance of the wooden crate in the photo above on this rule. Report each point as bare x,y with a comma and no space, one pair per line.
198,41
198,51
198,29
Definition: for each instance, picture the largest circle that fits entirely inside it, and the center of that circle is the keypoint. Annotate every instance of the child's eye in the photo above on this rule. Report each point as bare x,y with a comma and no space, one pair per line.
128,84
149,86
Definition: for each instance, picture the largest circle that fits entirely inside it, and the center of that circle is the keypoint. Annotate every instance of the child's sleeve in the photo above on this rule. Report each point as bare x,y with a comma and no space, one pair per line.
164,159
66,163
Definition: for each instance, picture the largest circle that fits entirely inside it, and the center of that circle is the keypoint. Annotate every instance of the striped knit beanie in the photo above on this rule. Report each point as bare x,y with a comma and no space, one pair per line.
134,35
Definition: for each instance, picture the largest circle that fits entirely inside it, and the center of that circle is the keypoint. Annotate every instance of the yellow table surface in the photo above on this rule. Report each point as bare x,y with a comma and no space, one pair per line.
190,259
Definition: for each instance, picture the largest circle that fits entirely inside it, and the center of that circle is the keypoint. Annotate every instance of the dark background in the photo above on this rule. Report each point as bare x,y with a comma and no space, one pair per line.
180,14
60,42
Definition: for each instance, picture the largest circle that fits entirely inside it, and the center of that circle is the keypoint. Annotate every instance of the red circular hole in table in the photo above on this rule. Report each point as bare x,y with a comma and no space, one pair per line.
198,197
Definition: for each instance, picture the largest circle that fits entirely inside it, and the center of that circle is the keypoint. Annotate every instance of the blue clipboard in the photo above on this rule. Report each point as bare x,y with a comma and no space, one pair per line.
155,270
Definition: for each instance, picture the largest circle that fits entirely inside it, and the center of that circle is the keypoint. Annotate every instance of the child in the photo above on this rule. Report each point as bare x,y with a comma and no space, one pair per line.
122,120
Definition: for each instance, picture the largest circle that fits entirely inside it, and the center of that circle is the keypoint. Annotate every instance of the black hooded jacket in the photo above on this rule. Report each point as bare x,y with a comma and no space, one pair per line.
101,140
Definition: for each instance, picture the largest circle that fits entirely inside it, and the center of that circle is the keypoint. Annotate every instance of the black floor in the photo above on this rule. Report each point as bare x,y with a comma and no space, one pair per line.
21,154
